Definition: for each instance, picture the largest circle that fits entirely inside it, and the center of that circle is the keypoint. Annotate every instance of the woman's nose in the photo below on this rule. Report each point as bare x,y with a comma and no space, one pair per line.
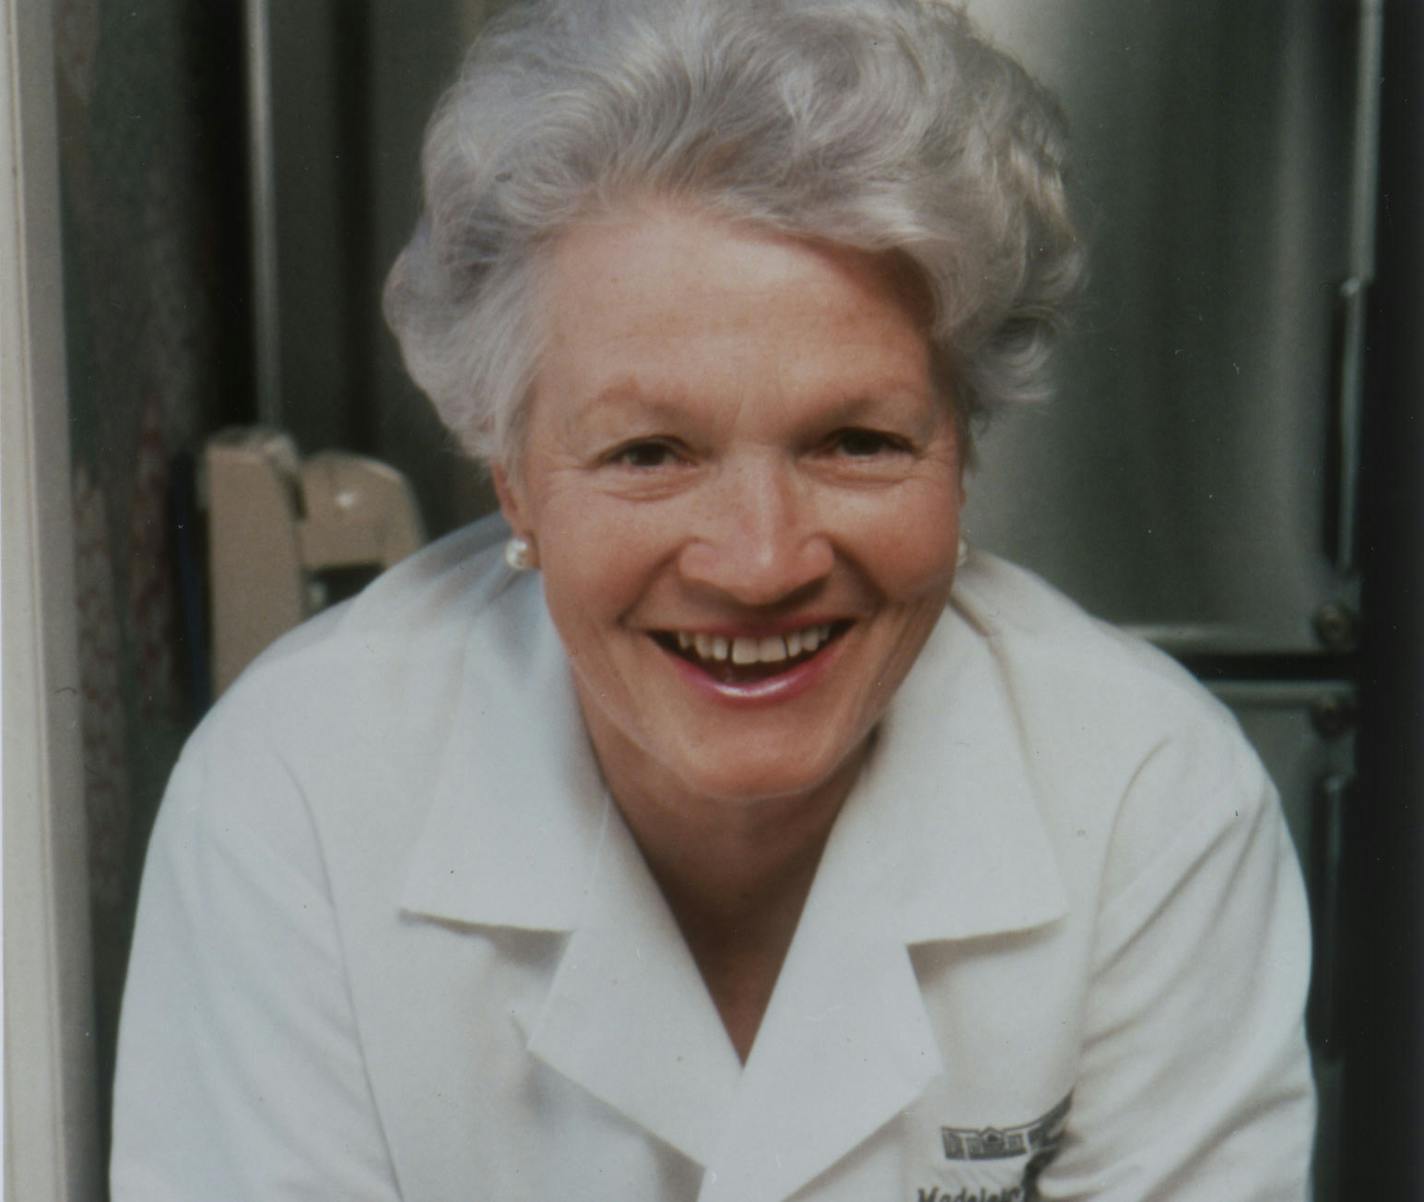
759,538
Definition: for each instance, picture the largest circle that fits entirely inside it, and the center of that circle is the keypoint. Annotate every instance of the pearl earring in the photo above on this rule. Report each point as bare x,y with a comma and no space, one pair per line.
519,554
962,555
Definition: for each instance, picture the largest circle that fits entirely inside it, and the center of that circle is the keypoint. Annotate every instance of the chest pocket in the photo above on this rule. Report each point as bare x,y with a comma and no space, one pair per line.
996,1162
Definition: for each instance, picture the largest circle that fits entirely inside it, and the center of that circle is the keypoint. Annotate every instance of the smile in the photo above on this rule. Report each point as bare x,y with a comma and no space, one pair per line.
736,659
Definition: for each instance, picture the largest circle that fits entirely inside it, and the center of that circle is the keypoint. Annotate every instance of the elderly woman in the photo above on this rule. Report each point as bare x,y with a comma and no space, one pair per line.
731,832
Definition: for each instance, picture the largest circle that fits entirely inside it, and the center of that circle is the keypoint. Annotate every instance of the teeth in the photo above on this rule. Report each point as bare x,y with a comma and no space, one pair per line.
743,649
772,650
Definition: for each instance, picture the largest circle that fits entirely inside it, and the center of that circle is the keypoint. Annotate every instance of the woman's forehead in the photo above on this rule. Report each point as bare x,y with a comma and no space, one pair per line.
673,274
662,250
678,305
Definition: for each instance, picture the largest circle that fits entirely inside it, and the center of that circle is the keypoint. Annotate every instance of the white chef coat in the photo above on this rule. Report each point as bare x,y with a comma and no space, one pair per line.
395,942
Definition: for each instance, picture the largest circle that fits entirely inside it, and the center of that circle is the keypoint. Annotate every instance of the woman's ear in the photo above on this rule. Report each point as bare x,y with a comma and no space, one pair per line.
510,500
520,552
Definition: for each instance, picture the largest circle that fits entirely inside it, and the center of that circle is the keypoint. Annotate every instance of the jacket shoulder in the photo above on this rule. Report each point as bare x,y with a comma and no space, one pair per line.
418,608
1119,738
374,677
1054,650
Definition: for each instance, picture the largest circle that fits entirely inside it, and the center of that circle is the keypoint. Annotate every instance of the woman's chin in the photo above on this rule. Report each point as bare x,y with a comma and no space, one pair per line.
773,780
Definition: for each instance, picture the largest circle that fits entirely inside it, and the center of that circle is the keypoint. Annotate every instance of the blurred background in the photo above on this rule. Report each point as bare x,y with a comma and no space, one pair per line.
1232,467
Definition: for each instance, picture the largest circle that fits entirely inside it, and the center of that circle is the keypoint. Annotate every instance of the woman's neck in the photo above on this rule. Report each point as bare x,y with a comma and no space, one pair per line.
736,876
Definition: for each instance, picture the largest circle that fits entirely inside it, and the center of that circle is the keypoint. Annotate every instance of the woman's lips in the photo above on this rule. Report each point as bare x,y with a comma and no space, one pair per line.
754,666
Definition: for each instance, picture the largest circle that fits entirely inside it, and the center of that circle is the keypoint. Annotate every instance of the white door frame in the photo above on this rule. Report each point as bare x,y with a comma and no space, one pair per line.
50,1144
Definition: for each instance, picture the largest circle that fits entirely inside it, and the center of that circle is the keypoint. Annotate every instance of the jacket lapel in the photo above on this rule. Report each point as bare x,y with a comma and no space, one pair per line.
845,1046
628,1016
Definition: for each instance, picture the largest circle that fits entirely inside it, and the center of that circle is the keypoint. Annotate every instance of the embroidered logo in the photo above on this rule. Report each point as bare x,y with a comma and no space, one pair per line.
1043,1135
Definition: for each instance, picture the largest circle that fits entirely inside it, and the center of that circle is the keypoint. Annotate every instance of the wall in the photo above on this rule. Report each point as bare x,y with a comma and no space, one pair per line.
152,171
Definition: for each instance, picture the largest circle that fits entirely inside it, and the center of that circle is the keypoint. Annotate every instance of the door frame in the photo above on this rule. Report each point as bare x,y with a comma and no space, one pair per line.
50,1146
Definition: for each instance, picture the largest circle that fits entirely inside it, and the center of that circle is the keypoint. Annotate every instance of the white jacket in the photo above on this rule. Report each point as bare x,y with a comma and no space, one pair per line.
395,942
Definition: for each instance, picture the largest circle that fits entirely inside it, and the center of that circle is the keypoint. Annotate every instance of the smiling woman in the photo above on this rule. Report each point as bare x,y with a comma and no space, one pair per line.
747,425
736,834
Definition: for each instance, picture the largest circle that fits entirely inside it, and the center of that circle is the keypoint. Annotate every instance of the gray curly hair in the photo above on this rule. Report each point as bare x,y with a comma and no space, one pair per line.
884,125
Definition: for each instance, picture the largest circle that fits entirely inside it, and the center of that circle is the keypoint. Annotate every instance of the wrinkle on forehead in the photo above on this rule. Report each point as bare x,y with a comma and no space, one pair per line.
715,318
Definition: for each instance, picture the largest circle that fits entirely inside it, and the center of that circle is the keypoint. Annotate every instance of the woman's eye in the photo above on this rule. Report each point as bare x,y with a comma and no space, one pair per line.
645,455
864,444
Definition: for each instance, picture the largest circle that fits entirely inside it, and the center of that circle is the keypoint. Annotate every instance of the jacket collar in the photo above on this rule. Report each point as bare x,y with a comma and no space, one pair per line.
941,839
518,801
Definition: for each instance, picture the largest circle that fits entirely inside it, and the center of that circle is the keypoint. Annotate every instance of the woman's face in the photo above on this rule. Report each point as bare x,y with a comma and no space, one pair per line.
744,494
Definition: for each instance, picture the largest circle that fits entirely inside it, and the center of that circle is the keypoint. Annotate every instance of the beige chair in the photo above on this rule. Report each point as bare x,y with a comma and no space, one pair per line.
276,521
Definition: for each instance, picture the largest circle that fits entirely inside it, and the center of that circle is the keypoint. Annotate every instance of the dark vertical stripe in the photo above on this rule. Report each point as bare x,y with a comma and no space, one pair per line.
1384,1077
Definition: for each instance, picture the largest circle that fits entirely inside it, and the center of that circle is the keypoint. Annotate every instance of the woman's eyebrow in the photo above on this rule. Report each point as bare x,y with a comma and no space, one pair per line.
892,398
626,398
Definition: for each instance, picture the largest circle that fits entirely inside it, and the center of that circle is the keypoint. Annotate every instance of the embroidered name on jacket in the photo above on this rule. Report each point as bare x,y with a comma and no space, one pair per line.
1013,1194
